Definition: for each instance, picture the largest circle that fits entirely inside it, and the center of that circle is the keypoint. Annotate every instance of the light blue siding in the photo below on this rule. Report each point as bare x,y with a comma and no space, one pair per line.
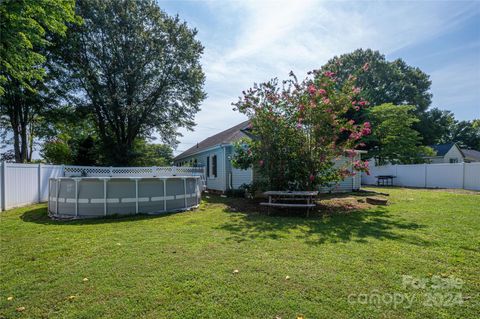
229,177
214,183
241,176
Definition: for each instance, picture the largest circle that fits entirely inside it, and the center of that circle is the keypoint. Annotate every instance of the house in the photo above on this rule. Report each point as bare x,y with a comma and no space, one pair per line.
470,155
215,154
452,153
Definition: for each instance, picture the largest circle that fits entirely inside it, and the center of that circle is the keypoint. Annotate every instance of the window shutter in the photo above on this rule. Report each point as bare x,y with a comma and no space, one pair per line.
214,165
208,166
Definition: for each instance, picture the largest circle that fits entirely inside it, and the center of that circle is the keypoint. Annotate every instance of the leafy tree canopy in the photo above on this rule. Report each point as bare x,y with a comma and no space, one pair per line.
465,133
23,27
153,154
436,125
393,138
386,81
138,70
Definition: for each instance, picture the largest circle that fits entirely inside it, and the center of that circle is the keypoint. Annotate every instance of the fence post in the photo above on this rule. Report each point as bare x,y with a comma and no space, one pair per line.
185,192
165,194
110,169
154,171
136,195
425,174
104,197
3,200
174,170
63,171
39,185
463,176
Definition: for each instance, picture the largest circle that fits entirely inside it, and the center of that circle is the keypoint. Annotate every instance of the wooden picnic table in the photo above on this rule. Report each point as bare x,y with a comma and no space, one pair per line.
284,199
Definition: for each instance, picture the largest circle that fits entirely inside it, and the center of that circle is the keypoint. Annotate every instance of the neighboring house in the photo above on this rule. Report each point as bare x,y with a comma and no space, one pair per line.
452,153
470,155
215,154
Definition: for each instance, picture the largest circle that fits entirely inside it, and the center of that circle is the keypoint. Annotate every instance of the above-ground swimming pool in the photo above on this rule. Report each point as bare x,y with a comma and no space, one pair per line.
87,197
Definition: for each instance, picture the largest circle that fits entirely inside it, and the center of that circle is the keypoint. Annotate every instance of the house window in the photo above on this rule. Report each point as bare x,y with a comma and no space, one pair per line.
214,165
454,160
208,166
195,163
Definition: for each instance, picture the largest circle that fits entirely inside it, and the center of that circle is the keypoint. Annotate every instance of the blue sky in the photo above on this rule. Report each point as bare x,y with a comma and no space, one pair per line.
253,41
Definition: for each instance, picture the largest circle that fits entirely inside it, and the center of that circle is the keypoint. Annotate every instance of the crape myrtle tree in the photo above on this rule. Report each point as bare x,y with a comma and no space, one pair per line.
298,129
138,70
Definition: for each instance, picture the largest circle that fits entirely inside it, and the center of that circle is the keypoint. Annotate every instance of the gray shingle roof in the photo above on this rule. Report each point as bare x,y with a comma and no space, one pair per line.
471,154
226,137
442,149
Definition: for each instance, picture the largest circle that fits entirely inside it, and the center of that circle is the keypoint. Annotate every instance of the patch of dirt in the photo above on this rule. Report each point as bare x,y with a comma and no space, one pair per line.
327,204
342,205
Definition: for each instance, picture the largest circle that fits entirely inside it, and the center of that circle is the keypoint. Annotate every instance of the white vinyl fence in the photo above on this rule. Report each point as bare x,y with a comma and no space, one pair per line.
455,175
25,184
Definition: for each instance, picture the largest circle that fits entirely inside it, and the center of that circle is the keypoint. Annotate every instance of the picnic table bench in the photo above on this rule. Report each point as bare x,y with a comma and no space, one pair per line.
381,179
278,198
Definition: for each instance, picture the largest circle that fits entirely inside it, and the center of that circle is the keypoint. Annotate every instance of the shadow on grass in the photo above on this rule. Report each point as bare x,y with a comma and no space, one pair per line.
40,216
249,222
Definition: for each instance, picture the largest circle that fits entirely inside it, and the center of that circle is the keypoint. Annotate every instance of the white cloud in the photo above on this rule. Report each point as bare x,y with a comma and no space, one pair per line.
269,38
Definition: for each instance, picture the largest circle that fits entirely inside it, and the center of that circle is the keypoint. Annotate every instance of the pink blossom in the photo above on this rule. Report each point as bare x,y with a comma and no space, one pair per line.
365,67
299,124
260,162
356,90
312,178
351,122
326,100
329,74
311,89
322,91
367,125
355,135
351,153
366,131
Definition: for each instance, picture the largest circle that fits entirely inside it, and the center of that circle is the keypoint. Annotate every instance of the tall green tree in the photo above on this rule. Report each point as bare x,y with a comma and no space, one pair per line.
24,25
393,138
150,154
138,70
465,133
386,81
29,79
436,125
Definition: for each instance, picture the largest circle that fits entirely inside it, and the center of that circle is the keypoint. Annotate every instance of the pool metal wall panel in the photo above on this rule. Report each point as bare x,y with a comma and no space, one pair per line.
90,195
150,195
82,197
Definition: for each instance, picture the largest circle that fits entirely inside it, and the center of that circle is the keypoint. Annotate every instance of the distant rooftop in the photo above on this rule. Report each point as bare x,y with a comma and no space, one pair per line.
442,149
471,154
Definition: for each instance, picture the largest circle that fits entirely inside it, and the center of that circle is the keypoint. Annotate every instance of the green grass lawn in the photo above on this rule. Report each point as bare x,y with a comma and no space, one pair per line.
181,265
